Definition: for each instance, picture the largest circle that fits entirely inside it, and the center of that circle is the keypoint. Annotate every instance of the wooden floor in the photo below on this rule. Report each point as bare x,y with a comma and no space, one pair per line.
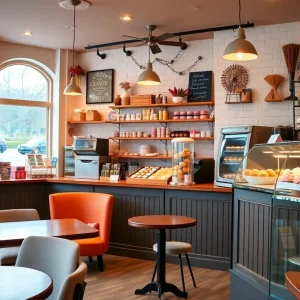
122,275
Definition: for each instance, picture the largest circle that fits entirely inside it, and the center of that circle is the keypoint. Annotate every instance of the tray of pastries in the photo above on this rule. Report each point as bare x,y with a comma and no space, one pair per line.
150,175
260,177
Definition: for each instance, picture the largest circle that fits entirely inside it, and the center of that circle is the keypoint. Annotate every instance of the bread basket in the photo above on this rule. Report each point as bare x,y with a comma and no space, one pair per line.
260,180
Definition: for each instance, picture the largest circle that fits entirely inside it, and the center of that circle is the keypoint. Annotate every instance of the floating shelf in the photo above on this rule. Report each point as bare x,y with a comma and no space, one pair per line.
149,157
239,102
161,121
273,100
86,122
159,138
162,105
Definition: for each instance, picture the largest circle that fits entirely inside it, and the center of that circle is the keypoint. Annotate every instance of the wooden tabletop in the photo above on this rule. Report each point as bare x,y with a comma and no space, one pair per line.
292,280
13,233
24,283
161,222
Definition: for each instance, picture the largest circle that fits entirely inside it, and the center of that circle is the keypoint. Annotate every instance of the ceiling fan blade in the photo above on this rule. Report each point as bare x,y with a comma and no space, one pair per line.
133,37
169,43
155,49
163,37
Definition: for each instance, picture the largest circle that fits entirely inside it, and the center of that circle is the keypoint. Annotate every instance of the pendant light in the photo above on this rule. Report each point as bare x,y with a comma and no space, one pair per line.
240,49
73,88
148,77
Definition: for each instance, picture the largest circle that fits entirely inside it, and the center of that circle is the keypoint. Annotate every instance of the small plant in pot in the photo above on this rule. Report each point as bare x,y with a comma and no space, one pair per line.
178,94
125,85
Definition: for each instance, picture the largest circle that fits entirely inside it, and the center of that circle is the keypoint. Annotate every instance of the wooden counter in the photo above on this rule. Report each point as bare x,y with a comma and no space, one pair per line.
204,187
209,205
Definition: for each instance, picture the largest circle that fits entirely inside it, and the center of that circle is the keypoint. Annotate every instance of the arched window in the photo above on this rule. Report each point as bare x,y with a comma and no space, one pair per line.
25,103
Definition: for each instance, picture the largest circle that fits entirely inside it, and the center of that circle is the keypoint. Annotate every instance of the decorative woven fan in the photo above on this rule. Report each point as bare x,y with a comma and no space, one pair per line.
274,81
234,78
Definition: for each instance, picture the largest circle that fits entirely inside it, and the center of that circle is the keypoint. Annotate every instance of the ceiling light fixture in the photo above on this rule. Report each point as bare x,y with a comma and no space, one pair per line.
27,33
240,49
126,18
73,89
148,77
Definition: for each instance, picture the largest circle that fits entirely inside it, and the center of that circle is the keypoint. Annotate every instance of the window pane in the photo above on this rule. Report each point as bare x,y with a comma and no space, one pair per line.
23,83
22,131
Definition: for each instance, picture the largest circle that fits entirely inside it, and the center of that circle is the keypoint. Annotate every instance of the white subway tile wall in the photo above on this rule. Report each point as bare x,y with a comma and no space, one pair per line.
268,41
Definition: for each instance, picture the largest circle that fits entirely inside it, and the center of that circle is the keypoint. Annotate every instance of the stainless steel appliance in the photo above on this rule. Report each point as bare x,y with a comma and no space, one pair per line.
69,162
234,143
90,152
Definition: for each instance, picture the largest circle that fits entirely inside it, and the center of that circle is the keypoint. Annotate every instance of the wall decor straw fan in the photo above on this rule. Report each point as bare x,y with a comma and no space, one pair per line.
274,81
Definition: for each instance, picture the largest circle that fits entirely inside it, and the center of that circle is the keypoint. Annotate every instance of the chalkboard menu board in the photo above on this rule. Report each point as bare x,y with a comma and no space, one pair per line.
99,86
200,86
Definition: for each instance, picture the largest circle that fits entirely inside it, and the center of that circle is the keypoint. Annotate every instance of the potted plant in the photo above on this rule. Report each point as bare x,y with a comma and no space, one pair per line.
125,85
178,94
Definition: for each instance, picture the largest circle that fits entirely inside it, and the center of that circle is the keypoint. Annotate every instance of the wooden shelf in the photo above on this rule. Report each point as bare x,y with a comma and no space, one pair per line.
161,121
149,157
268,100
162,105
86,122
238,102
160,138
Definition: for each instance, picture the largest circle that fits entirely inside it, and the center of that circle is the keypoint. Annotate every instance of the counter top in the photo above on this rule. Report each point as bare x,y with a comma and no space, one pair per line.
266,188
205,187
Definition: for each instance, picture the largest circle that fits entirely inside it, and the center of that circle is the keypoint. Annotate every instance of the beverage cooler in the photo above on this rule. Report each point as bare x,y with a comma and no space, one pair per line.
234,144
69,162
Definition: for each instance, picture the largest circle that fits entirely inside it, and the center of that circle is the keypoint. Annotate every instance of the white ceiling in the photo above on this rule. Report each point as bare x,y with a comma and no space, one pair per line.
101,22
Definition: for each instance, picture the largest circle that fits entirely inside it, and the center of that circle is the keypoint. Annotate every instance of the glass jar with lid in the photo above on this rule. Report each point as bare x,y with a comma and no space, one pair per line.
182,161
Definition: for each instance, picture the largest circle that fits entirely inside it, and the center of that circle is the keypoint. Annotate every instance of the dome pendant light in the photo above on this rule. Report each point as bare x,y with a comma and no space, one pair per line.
148,77
73,88
240,49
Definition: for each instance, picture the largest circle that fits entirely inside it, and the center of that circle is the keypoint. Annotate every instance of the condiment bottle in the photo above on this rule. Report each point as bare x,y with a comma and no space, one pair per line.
160,115
165,115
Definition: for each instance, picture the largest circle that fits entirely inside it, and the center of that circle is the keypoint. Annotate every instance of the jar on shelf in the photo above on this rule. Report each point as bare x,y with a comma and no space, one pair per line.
182,161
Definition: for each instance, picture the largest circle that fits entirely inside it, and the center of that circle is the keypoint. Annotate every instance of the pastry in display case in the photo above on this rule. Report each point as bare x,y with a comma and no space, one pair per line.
182,161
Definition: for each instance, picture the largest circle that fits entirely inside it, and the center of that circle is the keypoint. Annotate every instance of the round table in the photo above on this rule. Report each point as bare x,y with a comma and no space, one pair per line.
24,283
161,222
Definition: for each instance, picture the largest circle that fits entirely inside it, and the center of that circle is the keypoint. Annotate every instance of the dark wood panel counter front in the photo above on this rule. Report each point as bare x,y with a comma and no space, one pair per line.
209,205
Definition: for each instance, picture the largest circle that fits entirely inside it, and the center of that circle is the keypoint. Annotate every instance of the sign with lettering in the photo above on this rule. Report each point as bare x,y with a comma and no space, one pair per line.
100,86
200,87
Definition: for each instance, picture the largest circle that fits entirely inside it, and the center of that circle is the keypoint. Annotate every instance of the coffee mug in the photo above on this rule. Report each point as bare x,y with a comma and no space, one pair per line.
208,133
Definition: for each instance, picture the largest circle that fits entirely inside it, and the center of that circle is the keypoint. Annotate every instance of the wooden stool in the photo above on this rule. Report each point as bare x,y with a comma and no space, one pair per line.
177,248
292,280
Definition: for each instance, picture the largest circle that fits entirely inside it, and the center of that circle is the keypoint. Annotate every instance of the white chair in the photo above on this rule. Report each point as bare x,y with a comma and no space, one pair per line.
9,255
177,248
58,258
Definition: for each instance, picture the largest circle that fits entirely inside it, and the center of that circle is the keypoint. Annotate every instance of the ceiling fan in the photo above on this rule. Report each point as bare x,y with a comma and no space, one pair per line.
154,41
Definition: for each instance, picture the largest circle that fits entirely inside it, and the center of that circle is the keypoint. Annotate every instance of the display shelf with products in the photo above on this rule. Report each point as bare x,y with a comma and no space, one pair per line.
296,114
87,122
160,138
161,121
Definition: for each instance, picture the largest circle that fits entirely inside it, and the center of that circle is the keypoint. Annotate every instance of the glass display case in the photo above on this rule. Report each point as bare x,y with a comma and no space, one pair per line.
275,168
69,161
182,161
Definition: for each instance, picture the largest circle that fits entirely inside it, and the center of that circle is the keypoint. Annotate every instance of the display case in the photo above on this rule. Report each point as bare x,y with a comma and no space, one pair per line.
69,162
182,161
275,169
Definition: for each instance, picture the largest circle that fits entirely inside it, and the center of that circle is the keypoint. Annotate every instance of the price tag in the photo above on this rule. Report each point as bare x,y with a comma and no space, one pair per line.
275,138
114,178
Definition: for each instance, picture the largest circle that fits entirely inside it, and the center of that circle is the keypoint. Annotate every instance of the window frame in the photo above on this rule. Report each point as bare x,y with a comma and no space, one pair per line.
34,103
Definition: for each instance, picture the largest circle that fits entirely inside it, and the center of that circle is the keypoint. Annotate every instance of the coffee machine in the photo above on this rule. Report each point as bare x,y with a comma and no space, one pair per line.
90,153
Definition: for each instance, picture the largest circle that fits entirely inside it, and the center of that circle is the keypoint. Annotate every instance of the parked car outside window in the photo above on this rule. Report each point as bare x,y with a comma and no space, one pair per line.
3,145
37,146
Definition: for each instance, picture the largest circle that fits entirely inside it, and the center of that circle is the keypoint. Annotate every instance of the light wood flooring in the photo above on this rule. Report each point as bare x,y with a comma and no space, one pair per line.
122,275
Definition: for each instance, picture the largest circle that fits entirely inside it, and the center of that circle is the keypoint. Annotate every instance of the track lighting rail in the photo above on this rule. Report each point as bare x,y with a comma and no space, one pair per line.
247,25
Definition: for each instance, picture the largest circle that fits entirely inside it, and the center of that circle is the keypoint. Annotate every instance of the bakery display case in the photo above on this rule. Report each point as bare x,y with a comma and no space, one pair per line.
271,169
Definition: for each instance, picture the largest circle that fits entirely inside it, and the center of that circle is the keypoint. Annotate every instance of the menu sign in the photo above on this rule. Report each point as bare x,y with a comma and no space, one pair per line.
99,86
200,86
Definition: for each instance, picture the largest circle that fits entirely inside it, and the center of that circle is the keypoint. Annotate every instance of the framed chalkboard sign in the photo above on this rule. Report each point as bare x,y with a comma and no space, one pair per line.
99,86
200,86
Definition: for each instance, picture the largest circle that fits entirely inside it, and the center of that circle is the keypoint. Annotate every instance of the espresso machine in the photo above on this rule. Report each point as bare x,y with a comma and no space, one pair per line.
90,154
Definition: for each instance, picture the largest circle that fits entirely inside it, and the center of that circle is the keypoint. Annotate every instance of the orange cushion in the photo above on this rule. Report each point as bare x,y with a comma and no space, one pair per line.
91,247
94,225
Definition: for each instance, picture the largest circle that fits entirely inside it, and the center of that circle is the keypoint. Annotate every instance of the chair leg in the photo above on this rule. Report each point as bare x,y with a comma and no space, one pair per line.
154,271
181,271
90,258
191,272
100,262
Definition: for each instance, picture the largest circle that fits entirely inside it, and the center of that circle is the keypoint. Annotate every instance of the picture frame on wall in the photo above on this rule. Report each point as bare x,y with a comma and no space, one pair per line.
100,86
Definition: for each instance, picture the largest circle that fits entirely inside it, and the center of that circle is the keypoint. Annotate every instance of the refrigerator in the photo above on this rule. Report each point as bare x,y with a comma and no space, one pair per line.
69,162
234,144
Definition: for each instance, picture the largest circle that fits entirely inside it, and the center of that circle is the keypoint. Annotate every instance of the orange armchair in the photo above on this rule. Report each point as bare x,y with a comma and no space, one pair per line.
88,208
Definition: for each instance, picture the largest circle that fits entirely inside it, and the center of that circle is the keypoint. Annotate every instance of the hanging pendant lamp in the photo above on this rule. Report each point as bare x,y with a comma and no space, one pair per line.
148,77
73,88
240,49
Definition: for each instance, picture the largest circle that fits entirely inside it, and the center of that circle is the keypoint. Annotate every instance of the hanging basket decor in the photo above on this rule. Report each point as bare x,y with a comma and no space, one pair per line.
274,81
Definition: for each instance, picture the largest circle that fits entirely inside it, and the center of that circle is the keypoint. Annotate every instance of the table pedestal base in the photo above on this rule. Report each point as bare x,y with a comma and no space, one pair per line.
161,289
